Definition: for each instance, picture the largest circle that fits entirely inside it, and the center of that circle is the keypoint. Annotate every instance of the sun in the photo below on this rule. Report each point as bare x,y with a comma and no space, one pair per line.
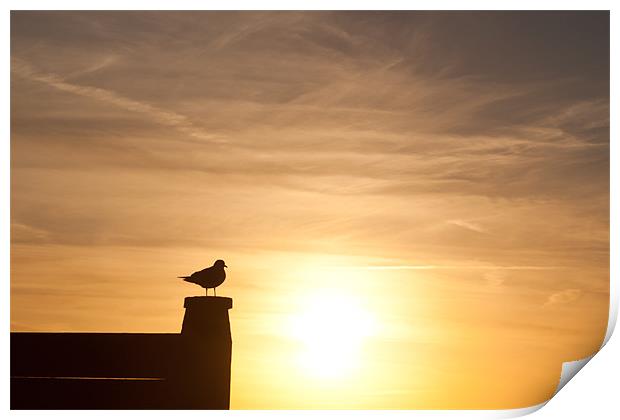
332,330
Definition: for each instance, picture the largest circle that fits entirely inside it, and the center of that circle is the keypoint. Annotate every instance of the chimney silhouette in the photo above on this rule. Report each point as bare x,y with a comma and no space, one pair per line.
206,353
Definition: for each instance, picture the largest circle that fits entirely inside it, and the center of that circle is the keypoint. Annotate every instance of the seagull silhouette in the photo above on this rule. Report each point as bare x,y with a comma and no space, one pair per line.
209,277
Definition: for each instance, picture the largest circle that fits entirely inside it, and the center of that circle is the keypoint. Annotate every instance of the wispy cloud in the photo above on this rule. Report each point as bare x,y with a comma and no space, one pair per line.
451,267
468,225
563,297
160,116
24,233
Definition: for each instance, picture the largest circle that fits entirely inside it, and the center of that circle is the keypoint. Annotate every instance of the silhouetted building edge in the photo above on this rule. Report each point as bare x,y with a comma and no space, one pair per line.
190,370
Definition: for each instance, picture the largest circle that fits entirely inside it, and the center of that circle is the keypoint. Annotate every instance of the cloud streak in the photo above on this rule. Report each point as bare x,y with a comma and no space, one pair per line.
563,297
452,267
160,116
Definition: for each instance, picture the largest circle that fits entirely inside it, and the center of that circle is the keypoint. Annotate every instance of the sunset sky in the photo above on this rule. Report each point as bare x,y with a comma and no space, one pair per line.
413,206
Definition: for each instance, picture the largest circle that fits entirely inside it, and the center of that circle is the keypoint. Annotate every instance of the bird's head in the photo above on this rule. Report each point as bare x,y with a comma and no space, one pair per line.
220,263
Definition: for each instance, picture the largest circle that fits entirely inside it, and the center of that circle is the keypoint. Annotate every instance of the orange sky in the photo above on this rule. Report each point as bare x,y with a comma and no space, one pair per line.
442,176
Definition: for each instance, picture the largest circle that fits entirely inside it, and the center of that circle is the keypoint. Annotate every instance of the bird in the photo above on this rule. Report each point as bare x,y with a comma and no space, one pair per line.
210,277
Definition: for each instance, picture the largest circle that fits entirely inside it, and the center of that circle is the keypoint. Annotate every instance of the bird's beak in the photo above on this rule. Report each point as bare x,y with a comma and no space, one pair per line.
225,266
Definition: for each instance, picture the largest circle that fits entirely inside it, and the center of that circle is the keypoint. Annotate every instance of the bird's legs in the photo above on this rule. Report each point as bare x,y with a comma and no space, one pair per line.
214,292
